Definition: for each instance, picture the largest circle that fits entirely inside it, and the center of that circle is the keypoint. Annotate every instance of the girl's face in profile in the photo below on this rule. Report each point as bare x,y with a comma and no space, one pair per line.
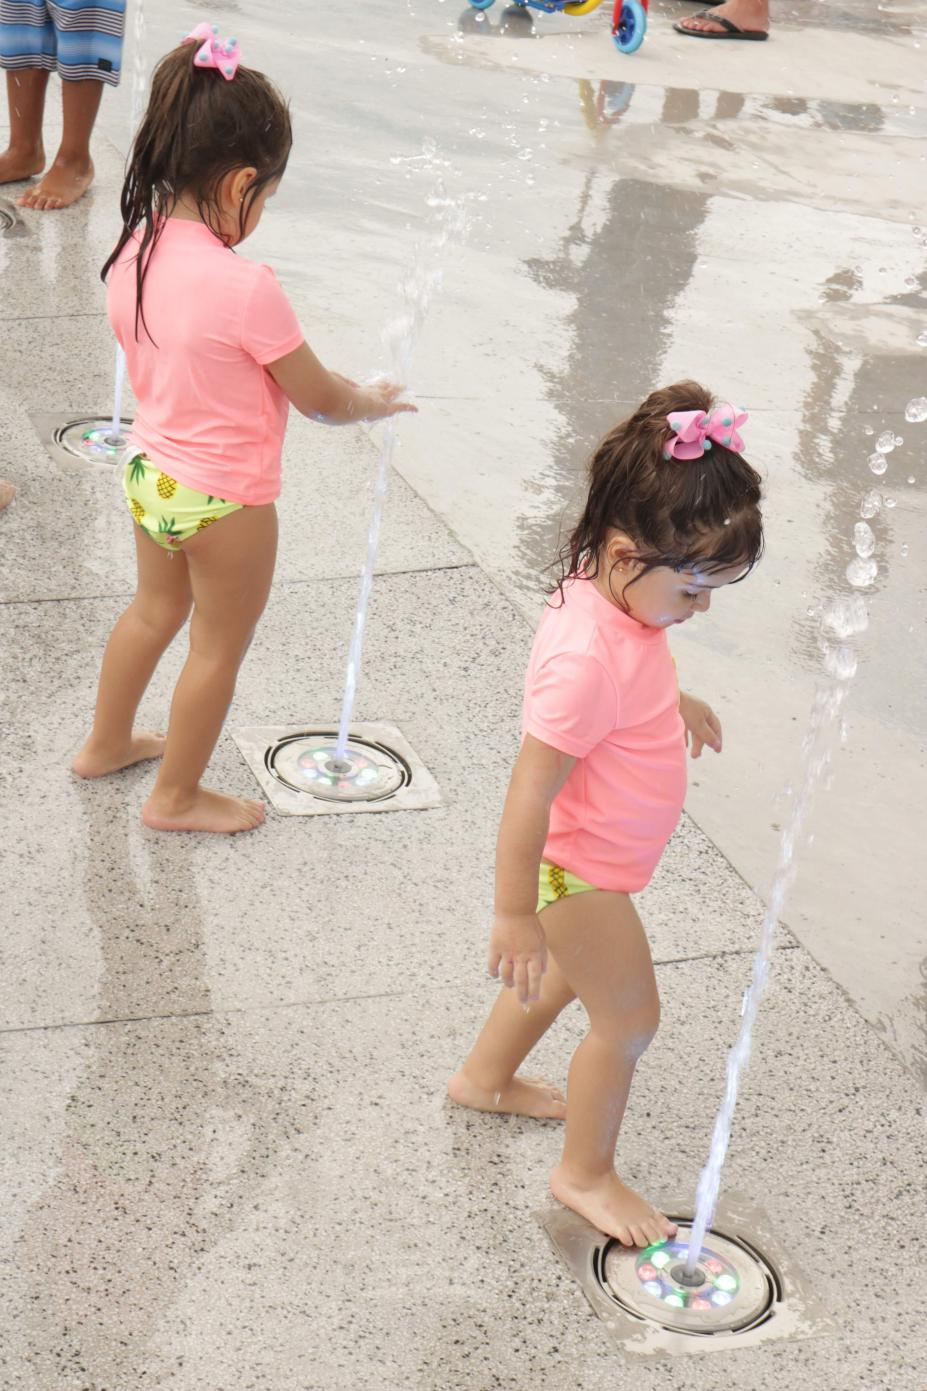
664,597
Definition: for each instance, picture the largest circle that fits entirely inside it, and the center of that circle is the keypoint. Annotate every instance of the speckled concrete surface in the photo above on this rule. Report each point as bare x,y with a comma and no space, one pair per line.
280,1199
142,907
225,1152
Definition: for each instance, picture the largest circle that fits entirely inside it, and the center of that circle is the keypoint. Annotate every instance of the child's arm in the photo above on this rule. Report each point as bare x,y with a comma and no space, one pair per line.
328,396
517,951
701,722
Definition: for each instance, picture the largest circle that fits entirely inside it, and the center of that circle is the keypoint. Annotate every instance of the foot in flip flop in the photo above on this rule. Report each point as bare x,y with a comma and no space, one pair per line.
735,19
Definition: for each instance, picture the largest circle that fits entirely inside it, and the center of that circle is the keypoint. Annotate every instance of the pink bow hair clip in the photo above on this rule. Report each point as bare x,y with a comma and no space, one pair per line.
693,431
222,54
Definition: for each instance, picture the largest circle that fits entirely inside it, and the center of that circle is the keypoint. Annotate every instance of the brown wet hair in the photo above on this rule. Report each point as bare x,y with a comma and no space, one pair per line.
701,514
197,129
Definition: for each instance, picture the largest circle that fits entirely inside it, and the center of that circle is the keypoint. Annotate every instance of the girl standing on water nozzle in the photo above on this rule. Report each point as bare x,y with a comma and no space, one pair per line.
215,355
673,513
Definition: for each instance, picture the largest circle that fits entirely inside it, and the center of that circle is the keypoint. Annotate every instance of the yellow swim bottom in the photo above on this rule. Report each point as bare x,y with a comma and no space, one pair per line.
554,883
168,511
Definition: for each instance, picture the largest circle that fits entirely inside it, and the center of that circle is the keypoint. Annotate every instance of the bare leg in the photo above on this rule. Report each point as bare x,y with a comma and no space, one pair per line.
231,567
139,639
487,1081
599,944
71,173
25,154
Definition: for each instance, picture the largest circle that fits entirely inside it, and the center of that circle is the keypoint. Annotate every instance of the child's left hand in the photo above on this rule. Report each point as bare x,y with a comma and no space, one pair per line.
702,724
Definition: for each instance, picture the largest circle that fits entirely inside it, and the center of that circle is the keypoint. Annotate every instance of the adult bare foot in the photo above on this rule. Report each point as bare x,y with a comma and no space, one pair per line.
612,1207
524,1096
208,811
66,181
7,493
751,16
95,762
17,164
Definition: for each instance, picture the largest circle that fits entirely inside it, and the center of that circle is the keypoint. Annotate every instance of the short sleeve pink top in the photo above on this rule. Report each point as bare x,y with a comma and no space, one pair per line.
602,687
208,415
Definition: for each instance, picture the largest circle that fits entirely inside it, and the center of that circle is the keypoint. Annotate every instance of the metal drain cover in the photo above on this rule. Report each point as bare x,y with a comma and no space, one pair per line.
11,223
300,774
91,439
746,1289
730,1288
368,772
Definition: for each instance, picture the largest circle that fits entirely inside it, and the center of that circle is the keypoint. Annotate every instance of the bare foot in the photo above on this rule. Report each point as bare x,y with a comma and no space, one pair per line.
613,1208
7,493
208,811
66,181
21,164
524,1096
93,762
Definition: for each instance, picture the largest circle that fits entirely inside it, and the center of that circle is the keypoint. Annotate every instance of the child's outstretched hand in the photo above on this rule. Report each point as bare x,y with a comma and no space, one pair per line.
381,399
702,724
518,954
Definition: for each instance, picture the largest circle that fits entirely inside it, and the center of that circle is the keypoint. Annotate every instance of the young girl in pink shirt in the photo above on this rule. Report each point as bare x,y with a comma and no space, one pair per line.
215,356
673,513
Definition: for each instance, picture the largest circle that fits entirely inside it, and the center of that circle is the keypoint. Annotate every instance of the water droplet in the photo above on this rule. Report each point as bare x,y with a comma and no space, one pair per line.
878,463
904,548
910,283
846,615
922,338
899,441
871,503
911,478
916,410
861,572
526,154
889,502
863,539
886,442
868,430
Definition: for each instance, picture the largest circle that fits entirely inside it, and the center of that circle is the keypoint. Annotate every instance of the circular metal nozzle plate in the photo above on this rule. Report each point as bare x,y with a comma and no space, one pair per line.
735,1290
92,439
309,762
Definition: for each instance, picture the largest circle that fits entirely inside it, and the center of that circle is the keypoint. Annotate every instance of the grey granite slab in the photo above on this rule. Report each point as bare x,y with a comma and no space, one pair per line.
282,1199
107,917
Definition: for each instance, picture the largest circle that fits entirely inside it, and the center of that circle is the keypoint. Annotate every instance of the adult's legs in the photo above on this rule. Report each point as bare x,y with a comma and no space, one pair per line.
750,15
602,951
25,154
140,637
231,566
71,172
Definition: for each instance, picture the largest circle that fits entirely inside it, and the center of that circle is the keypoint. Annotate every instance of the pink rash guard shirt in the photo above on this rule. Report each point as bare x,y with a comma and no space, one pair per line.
208,414
602,687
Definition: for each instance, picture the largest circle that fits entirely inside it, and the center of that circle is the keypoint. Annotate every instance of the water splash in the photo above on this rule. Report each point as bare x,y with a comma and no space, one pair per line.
843,618
115,439
447,221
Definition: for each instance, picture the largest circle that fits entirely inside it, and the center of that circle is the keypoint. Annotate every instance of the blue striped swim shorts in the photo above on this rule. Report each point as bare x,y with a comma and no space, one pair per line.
76,38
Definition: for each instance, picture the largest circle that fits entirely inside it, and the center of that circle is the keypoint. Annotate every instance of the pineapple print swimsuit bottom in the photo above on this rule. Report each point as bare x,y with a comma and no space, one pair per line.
167,510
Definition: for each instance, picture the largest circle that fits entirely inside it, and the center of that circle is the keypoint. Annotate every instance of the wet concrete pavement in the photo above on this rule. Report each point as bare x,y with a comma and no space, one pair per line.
226,1154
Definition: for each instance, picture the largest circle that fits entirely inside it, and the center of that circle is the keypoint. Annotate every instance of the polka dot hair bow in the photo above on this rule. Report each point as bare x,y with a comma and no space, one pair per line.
222,54
693,431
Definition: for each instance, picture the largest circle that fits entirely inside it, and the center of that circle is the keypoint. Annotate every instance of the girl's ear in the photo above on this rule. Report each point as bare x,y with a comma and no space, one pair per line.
619,550
235,185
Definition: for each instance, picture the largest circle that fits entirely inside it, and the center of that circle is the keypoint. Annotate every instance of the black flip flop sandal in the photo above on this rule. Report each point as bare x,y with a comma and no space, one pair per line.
732,30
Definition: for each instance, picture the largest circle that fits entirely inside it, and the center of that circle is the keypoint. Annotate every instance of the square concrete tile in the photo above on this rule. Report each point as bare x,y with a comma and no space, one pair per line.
69,533
109,920
282,1199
